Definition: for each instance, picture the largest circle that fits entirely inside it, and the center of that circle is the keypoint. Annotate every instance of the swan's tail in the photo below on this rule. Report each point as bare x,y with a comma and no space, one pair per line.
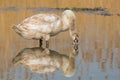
16,29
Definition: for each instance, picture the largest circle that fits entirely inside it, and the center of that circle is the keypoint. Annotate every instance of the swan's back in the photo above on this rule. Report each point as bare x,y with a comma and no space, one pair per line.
40,19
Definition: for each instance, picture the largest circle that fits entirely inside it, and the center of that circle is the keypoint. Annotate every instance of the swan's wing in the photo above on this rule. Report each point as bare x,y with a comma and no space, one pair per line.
40,22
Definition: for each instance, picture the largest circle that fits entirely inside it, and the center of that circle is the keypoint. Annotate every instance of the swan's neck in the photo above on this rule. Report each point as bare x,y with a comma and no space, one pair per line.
69,24
72,29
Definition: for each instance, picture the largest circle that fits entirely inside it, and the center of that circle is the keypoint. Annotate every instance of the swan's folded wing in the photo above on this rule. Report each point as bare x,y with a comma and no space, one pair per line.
41,22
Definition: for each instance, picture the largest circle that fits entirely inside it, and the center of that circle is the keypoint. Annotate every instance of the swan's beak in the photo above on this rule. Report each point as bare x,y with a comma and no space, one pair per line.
76,40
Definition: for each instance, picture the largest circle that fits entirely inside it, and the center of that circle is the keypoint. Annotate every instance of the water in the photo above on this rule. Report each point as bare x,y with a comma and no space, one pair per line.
99,46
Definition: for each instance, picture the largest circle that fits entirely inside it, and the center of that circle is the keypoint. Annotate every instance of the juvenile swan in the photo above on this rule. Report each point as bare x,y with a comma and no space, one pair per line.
44,26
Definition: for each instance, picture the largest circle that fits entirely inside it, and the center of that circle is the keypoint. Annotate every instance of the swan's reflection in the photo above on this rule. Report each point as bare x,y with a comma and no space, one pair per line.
43,60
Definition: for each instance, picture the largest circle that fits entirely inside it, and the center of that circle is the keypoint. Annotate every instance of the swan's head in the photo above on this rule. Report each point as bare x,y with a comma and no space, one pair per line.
75,38
69,14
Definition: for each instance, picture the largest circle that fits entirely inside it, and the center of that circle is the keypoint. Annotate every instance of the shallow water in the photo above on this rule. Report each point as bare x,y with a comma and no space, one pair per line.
99,46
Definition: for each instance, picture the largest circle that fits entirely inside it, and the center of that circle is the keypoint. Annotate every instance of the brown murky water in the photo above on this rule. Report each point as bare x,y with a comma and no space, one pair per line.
99,35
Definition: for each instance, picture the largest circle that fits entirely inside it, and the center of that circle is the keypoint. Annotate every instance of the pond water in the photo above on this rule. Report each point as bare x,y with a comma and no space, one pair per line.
98,49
